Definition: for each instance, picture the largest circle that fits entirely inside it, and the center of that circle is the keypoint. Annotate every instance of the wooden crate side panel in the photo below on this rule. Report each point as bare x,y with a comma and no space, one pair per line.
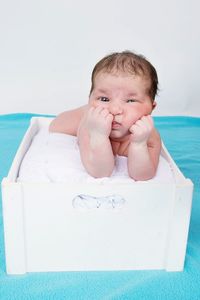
178,227
63,238
14,231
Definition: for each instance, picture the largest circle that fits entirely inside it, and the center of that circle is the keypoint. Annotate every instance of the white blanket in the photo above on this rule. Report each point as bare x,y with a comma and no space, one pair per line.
55,157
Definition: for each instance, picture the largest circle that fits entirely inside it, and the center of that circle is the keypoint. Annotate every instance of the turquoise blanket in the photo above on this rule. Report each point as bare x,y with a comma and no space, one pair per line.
181,136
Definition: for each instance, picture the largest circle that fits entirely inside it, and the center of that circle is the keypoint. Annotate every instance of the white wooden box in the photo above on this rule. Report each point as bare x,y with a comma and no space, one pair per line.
44,232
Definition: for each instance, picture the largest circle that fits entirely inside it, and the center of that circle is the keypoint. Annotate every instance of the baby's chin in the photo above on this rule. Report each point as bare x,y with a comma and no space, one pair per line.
118,136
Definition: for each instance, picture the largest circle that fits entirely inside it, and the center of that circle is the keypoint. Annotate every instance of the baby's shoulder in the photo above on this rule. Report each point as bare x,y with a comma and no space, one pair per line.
68,121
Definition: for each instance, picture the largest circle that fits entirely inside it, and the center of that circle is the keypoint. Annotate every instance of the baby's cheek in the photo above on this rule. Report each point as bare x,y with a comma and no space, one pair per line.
101,104
130,119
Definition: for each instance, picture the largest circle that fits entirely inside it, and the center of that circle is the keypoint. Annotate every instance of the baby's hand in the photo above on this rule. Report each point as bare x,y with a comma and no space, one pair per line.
142,129
98,120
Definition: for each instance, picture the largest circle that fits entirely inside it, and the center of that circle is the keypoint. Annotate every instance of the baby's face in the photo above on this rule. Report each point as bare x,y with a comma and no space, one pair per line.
126,98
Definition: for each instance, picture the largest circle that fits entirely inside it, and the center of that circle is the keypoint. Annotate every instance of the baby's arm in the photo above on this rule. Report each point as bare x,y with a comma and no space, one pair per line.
144,149
94,143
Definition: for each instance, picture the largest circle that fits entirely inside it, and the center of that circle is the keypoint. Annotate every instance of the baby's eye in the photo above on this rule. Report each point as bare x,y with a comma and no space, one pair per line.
131,100
104,99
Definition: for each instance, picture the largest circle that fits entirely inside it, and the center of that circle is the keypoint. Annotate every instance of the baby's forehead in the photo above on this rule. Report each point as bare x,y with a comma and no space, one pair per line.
104,77
110,83
123,74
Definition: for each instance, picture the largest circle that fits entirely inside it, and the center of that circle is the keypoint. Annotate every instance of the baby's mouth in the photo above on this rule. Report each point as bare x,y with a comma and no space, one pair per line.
115,125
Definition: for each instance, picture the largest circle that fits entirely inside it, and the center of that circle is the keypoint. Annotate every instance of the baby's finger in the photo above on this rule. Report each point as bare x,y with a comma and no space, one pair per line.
109,118
104,112
97,111
134,127
91,109
140,123
147,122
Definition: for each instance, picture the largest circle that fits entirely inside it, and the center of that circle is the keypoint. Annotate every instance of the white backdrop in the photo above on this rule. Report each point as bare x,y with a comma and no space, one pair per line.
48,49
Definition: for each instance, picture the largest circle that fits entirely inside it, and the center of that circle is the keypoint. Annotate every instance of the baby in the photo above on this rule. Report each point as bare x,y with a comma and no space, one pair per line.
116,120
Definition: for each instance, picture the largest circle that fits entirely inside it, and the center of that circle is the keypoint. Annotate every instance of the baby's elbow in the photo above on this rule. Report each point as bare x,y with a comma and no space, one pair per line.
100,173
143,176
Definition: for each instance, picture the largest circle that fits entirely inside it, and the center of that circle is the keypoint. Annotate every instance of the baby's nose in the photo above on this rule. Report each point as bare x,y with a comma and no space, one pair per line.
115,109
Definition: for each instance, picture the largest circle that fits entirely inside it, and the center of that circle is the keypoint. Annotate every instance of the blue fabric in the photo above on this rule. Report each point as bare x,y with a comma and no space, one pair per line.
181,136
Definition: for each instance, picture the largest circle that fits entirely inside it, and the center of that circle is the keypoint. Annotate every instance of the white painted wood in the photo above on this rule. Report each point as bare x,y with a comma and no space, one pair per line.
14,233
44,232
178,227
61,237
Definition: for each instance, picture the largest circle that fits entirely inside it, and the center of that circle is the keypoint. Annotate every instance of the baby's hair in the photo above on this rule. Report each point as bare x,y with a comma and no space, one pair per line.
128,62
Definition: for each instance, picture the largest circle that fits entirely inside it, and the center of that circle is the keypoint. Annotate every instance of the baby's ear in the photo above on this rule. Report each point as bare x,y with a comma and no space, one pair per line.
154,104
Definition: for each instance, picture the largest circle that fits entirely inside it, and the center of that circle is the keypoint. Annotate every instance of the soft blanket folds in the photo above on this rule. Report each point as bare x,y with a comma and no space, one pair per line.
181,135
55,157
